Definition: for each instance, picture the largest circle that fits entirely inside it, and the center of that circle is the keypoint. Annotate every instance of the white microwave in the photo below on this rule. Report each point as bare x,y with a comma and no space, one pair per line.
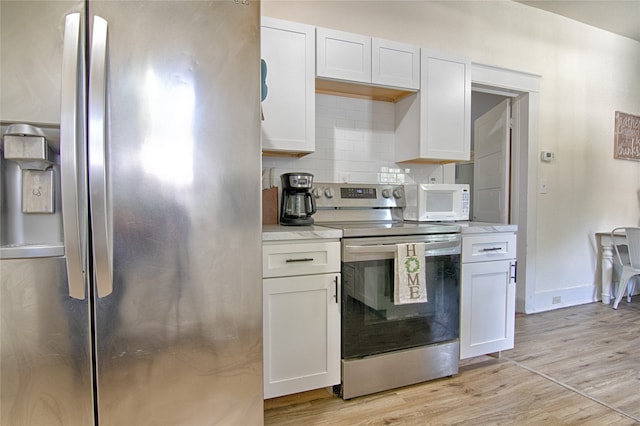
436,202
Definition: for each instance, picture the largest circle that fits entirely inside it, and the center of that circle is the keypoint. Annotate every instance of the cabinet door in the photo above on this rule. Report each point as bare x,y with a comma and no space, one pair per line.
435,124
395,64
288,48
301,333
344,56
487,308
446,106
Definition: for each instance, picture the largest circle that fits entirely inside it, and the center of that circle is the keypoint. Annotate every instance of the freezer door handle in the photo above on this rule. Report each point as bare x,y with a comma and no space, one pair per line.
73,156
98,159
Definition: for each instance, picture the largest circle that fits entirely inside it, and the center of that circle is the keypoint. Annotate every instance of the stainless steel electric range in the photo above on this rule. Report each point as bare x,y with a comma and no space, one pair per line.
384,344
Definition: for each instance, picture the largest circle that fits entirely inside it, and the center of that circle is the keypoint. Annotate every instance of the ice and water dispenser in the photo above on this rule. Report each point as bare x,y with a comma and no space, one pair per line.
30,196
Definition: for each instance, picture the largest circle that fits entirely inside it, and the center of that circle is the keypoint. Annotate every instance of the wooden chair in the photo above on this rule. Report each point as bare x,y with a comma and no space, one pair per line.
626,269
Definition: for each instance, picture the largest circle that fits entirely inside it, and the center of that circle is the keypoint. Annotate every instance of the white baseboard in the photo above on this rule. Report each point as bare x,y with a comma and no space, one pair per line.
562,298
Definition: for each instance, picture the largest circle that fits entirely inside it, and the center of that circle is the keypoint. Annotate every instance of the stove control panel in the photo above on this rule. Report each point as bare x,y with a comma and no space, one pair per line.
326,192
358,192
338,195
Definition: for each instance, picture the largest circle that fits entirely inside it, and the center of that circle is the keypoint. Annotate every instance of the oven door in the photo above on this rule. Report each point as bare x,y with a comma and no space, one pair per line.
371,322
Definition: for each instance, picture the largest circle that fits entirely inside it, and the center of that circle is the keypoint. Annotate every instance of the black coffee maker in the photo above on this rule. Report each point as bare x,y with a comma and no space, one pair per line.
297,202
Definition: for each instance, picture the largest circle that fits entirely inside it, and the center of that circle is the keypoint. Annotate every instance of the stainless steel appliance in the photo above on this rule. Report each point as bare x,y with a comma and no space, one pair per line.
122,307
384,344
297,206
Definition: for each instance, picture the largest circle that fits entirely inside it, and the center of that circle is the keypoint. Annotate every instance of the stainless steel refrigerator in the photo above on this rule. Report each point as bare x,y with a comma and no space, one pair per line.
130,213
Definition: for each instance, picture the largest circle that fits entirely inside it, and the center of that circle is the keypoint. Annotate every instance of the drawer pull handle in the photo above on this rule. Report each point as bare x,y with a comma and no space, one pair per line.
492,249
303,259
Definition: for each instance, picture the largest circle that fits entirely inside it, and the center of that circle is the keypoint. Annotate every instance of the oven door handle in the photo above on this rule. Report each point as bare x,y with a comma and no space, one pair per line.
390,248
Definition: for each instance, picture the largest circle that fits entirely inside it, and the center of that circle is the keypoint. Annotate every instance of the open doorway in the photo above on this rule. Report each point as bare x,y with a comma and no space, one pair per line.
491,86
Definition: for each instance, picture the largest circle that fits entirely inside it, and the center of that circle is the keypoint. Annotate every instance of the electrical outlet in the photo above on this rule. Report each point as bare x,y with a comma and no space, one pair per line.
556,300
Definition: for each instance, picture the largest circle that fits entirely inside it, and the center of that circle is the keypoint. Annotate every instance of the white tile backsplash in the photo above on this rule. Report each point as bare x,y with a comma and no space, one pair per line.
355,143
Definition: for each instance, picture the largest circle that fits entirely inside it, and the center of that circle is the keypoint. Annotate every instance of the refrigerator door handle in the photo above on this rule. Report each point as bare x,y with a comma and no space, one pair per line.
98,159
73,156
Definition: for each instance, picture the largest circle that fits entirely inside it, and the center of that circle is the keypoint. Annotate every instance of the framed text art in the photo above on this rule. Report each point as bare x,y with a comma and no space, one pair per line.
626,137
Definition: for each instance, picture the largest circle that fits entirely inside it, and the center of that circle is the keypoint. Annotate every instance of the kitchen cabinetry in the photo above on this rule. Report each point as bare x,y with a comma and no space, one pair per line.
301,315
395,64
342,55
435,124
357,58
488,289
288,125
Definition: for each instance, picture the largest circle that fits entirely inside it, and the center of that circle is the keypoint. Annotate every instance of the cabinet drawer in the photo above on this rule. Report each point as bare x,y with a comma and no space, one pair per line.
281,260
484,248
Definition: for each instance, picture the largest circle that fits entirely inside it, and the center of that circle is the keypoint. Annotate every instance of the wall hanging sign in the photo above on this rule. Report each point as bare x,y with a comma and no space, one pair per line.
626,137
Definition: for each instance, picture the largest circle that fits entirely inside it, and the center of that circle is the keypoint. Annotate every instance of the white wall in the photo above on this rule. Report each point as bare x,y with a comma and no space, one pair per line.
587,75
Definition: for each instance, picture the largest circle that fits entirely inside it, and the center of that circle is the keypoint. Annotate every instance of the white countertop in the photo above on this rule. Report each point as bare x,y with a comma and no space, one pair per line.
283,232
471,227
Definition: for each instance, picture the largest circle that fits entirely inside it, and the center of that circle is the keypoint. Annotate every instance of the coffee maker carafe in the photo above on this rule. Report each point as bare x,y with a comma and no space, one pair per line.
297,202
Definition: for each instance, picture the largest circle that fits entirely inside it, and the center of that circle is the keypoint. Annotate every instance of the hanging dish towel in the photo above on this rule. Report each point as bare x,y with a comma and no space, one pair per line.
410,285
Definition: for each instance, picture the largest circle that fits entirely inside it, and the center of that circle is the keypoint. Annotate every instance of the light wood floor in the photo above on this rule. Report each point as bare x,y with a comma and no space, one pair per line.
572,366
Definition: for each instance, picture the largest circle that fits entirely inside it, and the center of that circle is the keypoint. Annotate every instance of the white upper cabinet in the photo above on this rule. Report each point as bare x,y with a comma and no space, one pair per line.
435,124
395,64
362,59
343,56
288,125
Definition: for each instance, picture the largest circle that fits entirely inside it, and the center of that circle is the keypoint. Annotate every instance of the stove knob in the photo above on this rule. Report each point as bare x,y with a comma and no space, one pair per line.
329,192
317,192
386,193
398,193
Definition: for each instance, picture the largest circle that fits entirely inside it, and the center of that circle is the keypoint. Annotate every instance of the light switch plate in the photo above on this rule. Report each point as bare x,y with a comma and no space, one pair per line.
543,186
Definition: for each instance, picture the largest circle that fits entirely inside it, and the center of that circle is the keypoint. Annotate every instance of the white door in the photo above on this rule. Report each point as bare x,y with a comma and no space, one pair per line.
491,174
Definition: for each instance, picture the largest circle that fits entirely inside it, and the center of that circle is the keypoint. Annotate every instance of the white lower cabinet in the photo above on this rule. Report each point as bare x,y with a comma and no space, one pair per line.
301,329
488,290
